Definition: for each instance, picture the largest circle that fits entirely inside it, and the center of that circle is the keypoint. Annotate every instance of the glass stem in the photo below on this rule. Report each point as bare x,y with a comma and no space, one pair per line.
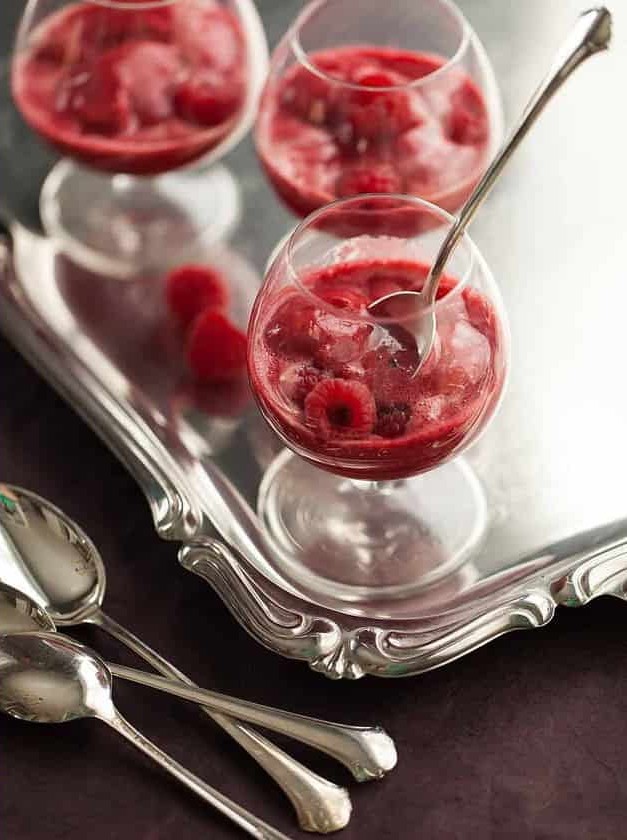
375,488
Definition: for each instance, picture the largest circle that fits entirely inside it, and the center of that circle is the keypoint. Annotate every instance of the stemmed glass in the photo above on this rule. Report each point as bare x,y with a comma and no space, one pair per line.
368,96
129,90
373,500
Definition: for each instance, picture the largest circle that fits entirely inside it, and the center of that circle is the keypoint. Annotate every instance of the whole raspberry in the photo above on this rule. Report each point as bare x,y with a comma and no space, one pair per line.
340,408
190,289
207,98
96,98
216,349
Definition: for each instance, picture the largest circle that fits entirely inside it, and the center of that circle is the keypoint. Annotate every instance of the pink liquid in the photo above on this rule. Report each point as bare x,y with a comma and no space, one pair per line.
319,140
139,91
412,424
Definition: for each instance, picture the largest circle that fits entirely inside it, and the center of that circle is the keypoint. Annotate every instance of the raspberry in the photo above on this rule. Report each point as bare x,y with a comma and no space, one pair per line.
96,98
208,35
374,77
392,419
467,122
307,96
207,99
337,407
298,380
373,116
146,71
190,289
293,329
369,178
216,349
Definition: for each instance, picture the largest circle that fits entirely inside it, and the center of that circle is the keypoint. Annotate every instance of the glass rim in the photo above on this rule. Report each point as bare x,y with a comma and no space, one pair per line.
302,54
288,249
132,5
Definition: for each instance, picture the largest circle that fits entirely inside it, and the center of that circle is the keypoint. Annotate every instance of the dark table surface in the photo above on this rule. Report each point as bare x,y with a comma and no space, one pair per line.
525,738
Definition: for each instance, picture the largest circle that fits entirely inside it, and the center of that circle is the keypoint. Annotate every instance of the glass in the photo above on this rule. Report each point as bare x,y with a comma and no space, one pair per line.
364,96
393,511
128,92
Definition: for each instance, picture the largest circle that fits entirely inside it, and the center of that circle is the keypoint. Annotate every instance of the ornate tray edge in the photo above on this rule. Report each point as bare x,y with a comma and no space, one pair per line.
279,621
342,652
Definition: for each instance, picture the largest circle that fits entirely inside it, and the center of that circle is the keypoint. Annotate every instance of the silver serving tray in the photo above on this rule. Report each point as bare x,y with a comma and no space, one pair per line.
552,465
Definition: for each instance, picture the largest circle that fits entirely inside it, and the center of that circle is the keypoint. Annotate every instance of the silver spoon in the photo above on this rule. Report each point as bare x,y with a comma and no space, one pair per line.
47,678
19,613
46,555
591,34
360,748
353,746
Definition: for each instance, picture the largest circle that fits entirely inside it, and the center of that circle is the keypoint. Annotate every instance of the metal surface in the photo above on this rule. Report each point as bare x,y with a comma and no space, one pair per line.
49,558
47,678
591,34
552,463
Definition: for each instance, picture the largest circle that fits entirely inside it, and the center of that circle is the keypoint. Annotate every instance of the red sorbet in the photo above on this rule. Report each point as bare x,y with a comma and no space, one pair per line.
373,122
140,91
338,388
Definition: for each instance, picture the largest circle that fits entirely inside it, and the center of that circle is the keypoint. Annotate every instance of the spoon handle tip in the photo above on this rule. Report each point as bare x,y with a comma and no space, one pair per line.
320,805
368,752
239,815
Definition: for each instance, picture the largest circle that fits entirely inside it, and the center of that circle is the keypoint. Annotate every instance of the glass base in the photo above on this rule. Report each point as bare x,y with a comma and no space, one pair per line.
363,541
121,225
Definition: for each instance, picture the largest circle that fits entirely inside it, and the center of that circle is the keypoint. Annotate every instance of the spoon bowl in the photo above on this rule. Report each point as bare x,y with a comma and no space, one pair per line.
46,679
46,555
20,613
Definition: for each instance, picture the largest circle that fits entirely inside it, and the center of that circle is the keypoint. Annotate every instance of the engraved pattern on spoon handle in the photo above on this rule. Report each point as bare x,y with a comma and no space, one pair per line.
590,34
321,806
368,752
247,821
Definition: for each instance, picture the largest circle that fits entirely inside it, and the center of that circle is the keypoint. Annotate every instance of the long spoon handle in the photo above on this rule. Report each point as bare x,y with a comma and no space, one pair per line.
368,752
240,816
320,805
591,34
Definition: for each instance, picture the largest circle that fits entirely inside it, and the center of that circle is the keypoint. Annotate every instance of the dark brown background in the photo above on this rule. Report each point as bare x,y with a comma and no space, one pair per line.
523,739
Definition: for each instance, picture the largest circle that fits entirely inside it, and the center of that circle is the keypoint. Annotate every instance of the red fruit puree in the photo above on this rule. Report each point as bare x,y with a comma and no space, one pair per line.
133,90
338,388
320,138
